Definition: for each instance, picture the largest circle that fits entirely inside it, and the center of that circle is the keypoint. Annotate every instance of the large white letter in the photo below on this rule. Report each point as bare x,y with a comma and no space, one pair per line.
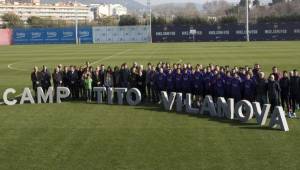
110,96
138,97
261,115
62,92
188,105
208,106
42,96
179,102
99,93
120,94
27,96
247,107
5,99
168,101
225,109
278,118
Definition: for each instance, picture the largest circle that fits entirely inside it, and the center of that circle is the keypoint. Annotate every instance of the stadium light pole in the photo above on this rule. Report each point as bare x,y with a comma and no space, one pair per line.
76,22
247,20
150,19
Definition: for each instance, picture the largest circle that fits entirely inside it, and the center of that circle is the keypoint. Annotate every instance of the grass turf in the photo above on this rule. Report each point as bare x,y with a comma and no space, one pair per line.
90,136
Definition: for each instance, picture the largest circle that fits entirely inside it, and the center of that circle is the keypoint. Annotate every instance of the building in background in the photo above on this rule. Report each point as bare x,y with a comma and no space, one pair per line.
103,10
23,1
57,11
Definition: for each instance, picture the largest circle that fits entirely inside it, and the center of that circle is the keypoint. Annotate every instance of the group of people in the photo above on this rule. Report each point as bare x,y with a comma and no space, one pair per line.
279,88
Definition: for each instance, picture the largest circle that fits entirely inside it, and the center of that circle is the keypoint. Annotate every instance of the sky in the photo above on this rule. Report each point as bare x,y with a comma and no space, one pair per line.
155,2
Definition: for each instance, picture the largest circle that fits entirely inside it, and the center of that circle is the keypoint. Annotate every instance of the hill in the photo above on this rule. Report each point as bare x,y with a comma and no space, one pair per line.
131,5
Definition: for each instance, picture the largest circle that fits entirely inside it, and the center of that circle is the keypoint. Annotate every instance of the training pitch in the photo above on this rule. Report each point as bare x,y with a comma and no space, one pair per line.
76,135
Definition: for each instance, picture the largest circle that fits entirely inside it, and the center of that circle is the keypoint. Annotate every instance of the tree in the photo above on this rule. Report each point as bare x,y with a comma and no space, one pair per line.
12,20
277,1
128,20
191,21
216,7
106,21
35,21
158,21
242,3
256,3
228,20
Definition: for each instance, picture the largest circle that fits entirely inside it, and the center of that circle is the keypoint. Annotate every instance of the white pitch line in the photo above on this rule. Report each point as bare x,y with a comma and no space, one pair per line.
9,66
105,58
180,61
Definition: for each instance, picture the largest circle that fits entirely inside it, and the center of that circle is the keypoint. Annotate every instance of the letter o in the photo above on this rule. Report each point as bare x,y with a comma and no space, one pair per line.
138,97
246,105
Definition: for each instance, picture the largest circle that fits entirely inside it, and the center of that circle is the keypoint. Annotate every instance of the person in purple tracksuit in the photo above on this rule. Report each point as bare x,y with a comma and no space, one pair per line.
186,83
242,74
236,88
161,81
170,81
153,75
197,82
249,88
228,80
178,79
207,82
219,87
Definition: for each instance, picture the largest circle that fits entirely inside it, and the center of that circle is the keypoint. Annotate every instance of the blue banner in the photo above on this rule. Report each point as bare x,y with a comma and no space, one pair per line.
258,32
51,35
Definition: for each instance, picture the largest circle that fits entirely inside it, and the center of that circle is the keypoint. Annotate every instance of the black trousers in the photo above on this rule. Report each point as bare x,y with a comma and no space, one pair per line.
285,102
293,100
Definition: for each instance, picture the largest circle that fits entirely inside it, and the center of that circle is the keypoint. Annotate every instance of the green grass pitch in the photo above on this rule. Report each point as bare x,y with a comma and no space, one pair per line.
90,136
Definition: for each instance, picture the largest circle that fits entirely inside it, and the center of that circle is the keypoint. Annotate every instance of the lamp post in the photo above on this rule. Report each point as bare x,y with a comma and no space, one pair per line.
76,22
247,21
150,19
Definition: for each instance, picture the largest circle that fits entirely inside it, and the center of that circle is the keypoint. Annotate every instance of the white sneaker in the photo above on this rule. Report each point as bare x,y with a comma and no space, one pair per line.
294,115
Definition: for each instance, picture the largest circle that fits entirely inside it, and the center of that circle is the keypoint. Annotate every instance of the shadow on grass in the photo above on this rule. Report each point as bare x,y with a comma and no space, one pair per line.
159,108
235,122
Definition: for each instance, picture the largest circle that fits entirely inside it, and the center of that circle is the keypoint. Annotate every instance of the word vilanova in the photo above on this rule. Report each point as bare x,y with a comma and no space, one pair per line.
242,110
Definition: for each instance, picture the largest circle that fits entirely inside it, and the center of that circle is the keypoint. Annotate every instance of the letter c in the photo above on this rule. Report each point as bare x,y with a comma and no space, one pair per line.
5,99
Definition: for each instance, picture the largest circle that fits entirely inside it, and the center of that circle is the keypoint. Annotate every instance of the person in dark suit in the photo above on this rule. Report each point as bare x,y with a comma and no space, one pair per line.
57,79
65,77
36,79
124,76
273,92
116,76
294,90
133,77
141,81
80,83
261,89
285,91
73,79
102,74
46,79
